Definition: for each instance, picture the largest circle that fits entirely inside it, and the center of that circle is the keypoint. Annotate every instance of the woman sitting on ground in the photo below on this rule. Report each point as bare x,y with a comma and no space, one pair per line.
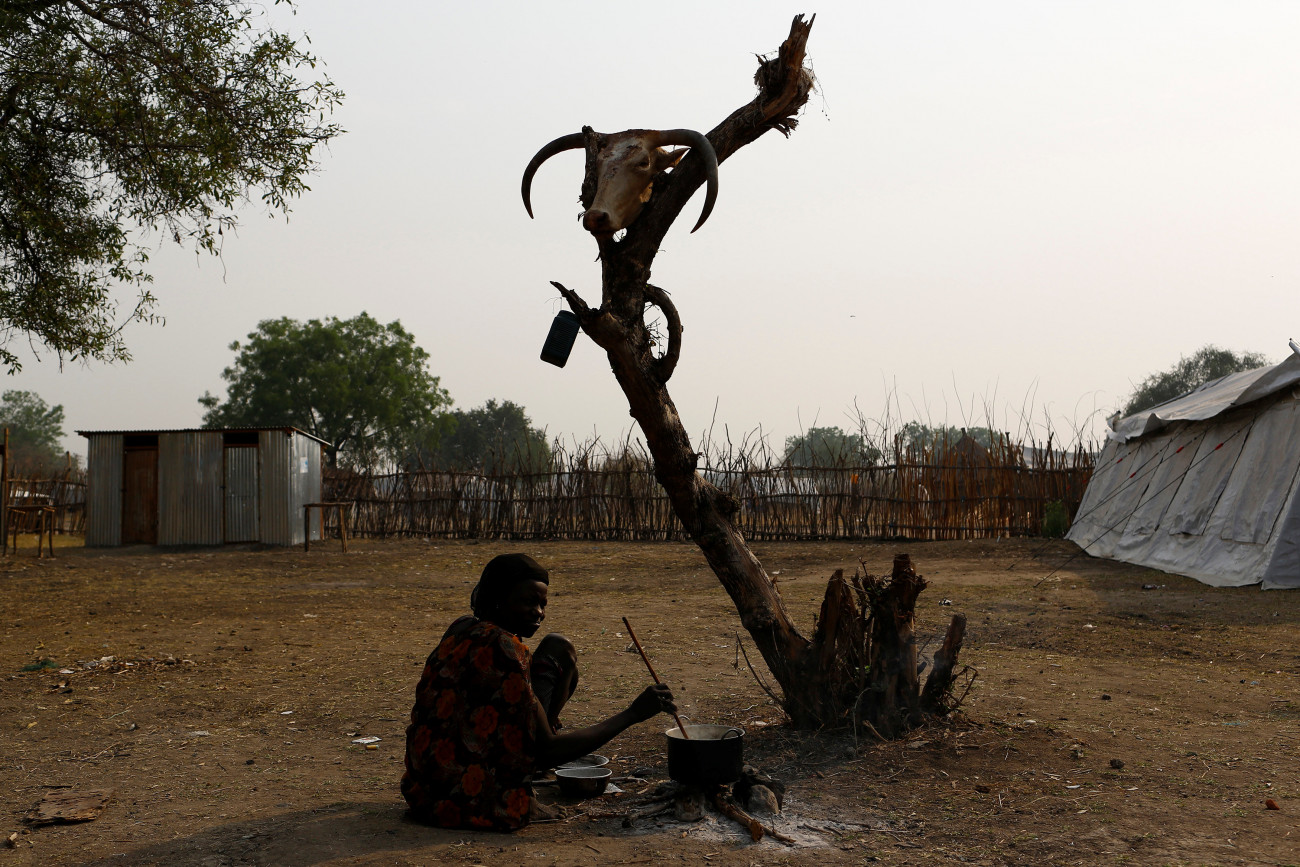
486,715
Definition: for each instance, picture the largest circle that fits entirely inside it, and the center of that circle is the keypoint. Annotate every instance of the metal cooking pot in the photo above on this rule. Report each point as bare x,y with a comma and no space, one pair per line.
714,755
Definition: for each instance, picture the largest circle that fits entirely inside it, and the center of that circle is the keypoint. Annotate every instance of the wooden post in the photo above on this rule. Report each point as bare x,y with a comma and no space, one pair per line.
343,525
4,496
306,528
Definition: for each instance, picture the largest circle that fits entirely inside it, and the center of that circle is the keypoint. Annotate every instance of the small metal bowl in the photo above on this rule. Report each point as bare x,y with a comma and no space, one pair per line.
590,760
582,782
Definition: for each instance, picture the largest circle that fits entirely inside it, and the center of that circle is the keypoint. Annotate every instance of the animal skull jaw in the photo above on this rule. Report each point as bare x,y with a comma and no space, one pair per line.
596,222
599,224
603,223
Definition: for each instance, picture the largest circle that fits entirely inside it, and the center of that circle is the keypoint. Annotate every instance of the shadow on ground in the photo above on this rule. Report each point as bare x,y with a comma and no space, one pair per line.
340,833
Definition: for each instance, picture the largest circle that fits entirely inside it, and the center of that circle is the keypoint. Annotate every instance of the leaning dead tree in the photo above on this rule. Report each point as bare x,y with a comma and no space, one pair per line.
632,184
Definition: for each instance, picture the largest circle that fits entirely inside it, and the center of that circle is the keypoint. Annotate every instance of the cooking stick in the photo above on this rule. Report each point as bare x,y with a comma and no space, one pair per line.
646,660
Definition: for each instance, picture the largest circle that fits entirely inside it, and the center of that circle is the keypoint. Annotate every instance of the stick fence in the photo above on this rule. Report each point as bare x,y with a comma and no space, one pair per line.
940,491
937,492
64,491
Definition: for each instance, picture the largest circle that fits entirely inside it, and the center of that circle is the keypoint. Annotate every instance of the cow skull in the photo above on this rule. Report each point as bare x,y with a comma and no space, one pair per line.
626,166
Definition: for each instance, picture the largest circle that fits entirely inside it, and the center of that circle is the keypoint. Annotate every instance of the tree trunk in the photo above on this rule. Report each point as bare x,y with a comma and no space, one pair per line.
892,699
820,678
936,698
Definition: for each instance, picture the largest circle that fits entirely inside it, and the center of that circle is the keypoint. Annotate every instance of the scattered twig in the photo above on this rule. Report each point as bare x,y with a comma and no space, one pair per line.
729,809
651,812
113,749
973,673
869,727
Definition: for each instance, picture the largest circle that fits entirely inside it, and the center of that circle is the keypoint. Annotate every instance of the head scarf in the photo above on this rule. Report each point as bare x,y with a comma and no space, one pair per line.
499,575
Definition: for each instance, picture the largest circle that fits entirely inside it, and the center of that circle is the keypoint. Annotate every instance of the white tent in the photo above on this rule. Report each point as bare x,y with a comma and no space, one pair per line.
1205,485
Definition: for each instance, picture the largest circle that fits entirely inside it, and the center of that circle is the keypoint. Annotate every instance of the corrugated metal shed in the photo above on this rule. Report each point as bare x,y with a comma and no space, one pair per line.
305,484
104,491
291,478
200,487
189,488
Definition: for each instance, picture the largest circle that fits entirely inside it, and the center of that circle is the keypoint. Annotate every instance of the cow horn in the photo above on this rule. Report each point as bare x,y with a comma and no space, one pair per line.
697,141
569,142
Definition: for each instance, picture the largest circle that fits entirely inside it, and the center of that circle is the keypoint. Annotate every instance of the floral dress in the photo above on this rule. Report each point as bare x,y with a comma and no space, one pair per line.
471,742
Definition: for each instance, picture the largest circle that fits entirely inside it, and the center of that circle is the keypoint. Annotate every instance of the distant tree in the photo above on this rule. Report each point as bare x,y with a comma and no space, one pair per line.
1204,365
35,430
361,386
829,447
915,435
125,118
493,436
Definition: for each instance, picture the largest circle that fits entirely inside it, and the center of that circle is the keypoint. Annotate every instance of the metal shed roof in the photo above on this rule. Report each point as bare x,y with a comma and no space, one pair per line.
153,430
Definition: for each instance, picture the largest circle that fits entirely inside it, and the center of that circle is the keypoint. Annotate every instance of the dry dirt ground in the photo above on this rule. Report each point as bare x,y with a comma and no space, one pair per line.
224,723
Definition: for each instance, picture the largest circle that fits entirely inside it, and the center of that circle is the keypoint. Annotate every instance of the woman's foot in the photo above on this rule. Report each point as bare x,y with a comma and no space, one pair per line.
539,812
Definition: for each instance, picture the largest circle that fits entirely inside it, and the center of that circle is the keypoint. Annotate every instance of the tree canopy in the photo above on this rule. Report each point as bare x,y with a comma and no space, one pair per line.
493,436
917,435
829,447
361,386
1204,365
122,119
35,429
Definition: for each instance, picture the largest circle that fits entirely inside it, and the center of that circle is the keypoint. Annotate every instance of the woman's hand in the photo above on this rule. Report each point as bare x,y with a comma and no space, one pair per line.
558,748
653,700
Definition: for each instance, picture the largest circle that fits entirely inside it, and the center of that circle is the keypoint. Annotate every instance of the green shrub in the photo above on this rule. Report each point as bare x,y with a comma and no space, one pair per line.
1056,520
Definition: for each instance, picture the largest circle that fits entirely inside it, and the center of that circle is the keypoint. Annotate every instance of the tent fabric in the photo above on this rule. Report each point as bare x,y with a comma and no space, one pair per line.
1211,399
1284,569
1205,485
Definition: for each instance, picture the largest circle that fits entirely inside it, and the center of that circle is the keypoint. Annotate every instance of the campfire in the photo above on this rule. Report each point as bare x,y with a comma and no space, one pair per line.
753,795
706,763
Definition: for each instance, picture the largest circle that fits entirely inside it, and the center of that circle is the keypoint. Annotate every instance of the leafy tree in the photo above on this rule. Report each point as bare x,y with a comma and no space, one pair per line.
125,118
915,434
35,429
829,447
361,386
493,436
1204,365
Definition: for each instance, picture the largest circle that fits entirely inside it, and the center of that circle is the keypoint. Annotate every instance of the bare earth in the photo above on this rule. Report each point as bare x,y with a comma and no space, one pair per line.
227,740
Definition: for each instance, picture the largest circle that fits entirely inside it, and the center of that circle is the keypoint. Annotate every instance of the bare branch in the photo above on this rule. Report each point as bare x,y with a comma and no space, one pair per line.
665,365
784,87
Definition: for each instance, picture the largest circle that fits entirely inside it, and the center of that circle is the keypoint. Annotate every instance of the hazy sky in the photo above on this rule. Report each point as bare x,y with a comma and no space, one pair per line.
1000,204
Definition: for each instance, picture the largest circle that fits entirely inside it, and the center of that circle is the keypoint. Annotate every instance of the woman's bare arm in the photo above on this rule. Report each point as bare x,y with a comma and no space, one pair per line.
556,749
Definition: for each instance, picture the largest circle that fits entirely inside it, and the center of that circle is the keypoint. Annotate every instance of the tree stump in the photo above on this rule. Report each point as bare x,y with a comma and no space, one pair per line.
861,667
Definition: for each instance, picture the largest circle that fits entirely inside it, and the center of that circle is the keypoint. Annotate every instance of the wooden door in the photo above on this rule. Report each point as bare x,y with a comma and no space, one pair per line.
140,496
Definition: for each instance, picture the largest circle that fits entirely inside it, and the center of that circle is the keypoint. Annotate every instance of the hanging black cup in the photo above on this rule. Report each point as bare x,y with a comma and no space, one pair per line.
559,342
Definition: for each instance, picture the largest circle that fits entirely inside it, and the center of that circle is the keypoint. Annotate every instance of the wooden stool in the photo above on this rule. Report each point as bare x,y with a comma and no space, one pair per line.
340,508
44,526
